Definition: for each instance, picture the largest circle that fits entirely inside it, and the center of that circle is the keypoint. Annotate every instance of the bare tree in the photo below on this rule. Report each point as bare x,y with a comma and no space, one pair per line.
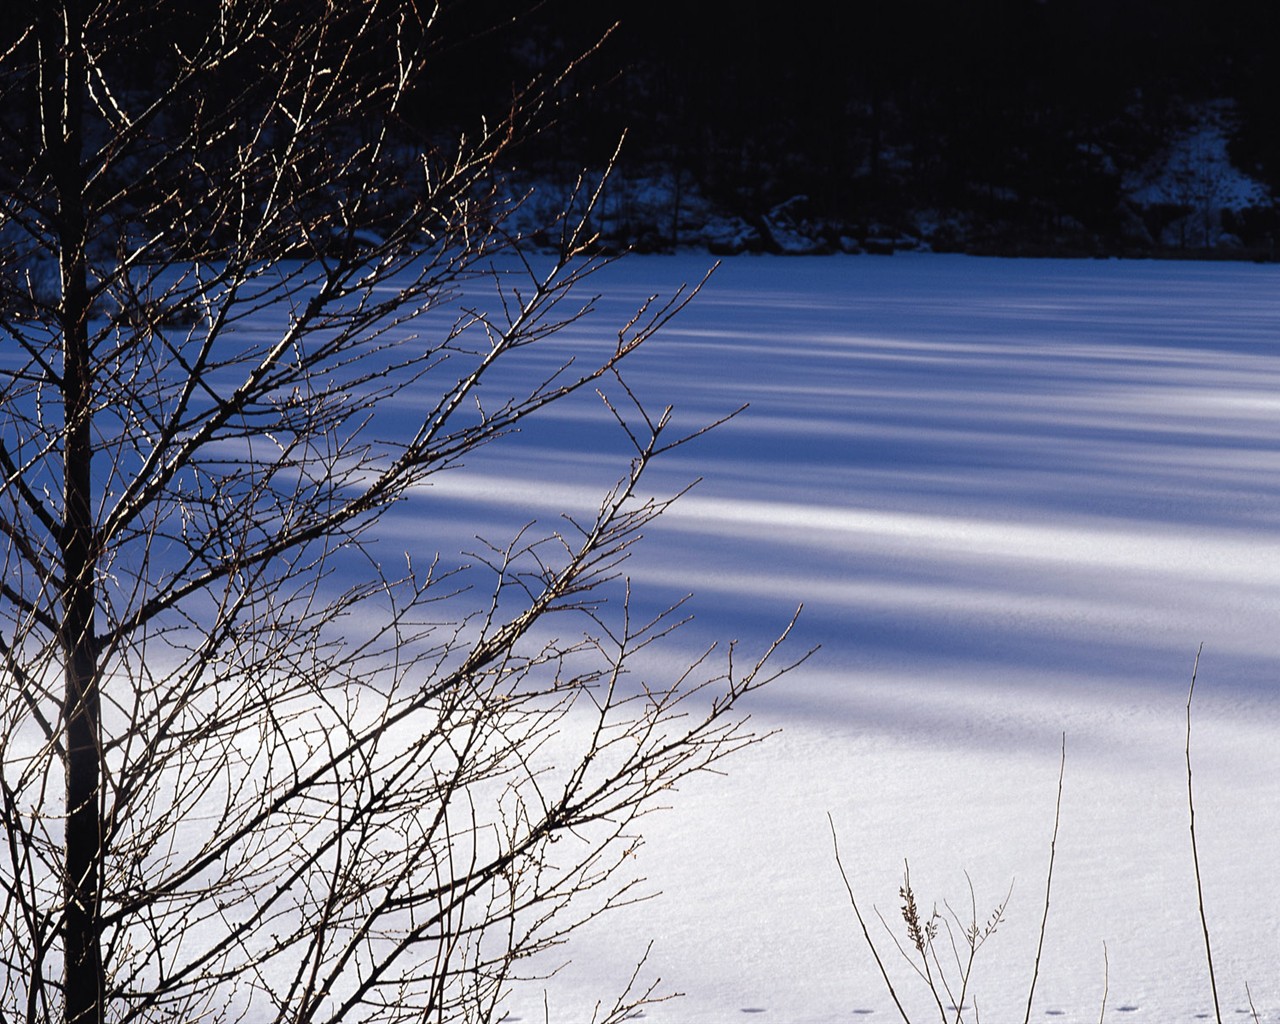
251,770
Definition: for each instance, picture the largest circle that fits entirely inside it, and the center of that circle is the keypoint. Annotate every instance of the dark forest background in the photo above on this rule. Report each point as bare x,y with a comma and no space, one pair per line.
1014,126
1023,127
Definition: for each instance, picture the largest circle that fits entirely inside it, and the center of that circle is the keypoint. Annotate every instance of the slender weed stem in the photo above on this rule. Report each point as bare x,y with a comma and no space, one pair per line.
1195,853
835,843
1106,983
1048,884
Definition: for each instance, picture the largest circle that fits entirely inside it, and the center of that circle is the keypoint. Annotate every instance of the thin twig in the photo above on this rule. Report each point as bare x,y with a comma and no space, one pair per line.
1195,853
1253,1010
835,844
1048,884
1106,982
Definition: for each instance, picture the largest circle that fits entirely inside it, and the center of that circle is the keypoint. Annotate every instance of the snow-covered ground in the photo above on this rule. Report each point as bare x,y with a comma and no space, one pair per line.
1014,497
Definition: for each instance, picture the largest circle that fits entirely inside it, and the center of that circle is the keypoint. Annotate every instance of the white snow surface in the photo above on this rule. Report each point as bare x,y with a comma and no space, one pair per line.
1014,497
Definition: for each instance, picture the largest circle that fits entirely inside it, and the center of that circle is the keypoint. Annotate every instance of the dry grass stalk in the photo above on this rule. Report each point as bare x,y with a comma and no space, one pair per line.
1048,884
1195,853
965,937
875,953
1106,983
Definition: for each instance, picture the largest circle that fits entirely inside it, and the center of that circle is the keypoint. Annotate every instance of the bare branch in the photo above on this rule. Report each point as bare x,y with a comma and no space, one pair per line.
250,769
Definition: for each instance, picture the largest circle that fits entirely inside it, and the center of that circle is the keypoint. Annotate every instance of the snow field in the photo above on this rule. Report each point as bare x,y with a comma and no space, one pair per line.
1014,497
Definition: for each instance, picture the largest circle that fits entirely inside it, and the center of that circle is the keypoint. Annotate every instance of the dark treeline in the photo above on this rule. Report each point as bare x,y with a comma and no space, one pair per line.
1008,125
985,125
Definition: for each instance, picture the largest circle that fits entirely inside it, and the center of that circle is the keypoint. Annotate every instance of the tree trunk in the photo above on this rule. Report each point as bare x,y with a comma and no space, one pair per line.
81,711
64,73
